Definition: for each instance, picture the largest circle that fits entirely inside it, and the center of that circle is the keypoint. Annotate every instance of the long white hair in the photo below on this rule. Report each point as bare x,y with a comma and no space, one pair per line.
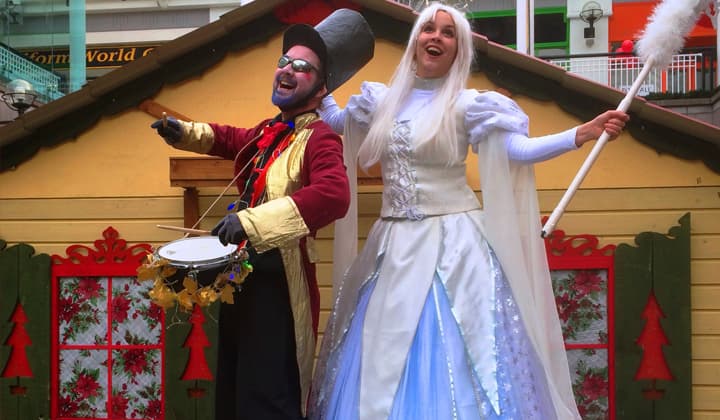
434,124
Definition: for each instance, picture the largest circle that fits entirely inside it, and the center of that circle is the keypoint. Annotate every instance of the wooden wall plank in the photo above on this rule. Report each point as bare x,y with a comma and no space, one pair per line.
705,297
601,199
596,200
632,223
706,322
704,347
706,247
603,224
91,208
706,372
633,199
706,272
702,247
325,298
87,231
706,398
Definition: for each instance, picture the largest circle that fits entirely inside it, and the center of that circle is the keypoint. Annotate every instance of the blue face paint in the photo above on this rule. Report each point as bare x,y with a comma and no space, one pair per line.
297,97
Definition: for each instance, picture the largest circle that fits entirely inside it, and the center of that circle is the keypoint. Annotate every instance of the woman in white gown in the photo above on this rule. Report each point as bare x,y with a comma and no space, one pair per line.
448,311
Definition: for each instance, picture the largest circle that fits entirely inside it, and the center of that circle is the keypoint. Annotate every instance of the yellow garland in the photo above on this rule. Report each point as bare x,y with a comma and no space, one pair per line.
159,270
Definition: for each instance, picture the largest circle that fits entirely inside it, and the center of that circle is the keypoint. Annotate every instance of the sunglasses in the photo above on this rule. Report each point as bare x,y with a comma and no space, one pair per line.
298,64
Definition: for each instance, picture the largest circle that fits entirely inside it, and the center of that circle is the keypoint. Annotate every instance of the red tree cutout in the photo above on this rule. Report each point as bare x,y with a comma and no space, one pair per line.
196,341
18,364
653,365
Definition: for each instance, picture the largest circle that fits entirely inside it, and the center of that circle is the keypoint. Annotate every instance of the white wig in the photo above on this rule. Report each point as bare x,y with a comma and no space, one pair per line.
437,121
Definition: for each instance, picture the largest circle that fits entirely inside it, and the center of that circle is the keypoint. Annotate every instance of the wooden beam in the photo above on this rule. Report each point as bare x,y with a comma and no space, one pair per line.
193,172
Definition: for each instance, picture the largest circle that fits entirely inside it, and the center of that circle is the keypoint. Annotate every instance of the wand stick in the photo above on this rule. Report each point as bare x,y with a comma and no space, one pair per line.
590,160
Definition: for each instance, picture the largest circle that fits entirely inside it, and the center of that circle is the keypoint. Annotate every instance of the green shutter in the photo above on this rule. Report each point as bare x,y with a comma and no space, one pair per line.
25,280
657,264
180,405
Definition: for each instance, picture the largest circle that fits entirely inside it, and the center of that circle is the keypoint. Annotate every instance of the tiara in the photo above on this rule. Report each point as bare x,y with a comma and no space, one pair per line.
463,6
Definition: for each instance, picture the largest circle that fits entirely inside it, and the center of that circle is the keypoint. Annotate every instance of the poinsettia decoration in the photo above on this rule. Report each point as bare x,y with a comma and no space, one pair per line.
81,305
591,387
134,368
107,334
580,296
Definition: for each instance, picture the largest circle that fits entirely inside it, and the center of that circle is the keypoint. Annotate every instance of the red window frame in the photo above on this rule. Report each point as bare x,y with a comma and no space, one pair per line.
110,260
580,253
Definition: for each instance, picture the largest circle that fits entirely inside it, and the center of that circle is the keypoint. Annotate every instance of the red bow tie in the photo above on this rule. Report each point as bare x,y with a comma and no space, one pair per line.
269,134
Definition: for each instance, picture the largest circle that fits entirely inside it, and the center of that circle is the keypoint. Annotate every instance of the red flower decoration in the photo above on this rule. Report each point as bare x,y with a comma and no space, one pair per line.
154,409
587,282
88,288
154,312
120,308
566,306
135,361
68,406
119,406
594,386
86,386
68,309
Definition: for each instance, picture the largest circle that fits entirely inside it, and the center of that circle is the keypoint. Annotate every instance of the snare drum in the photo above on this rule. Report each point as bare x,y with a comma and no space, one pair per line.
201,257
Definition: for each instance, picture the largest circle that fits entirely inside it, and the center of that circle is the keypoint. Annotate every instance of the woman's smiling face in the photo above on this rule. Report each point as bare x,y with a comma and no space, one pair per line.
436,46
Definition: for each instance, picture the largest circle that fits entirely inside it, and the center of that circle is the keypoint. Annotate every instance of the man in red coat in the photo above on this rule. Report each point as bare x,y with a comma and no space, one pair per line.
292,182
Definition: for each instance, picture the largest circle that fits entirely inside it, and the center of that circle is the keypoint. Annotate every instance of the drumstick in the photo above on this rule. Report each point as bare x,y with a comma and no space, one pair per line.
164,119
185,230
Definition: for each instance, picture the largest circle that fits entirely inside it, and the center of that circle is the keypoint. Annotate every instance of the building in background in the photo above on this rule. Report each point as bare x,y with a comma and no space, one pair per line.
38,38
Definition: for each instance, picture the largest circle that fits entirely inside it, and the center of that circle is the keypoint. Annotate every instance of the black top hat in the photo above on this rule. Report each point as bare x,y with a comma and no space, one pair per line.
343,41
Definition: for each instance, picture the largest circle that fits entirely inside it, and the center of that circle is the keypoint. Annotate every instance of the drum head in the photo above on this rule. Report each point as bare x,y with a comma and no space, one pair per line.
196,252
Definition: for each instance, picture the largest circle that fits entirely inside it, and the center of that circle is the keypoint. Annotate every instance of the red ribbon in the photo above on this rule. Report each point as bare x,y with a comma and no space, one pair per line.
270,133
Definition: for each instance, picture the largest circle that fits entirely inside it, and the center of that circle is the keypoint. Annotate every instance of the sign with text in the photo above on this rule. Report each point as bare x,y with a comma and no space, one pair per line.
96,57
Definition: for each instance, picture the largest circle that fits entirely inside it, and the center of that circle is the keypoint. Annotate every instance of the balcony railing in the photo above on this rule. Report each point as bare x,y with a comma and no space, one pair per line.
688,72
14,66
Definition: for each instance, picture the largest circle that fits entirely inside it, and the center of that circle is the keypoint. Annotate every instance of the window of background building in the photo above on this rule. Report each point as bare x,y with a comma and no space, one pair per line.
551,29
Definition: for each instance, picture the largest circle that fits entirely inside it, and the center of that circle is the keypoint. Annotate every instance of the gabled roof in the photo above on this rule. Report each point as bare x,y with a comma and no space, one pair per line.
65,118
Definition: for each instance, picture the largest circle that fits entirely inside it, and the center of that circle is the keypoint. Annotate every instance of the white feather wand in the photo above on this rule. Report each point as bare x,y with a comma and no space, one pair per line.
663,37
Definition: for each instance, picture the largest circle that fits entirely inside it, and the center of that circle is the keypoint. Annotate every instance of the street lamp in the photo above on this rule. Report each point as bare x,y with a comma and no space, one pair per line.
19,96
590,13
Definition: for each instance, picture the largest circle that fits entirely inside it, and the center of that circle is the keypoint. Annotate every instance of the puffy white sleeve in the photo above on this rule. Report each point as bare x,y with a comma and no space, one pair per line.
490,112
332,114
359,108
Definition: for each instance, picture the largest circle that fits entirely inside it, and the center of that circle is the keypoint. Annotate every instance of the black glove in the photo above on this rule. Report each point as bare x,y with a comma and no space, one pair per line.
172,133
229,230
